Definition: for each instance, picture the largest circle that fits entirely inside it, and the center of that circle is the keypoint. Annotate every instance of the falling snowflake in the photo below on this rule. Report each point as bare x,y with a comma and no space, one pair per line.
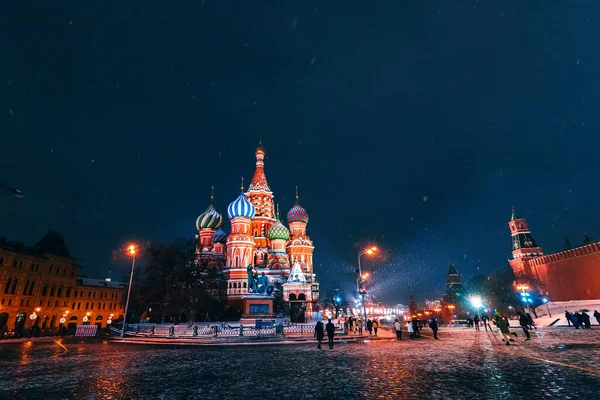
312,62
425,198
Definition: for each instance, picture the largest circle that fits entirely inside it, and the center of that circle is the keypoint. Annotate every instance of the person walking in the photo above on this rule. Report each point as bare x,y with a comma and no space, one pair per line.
354,329
575,319
530,322
476,322
369,326
524,324
585,320
359,324
502,324
319,333
486,321
569,318
330,328
433,325
375,326
415,326
410,329
398,329
597,316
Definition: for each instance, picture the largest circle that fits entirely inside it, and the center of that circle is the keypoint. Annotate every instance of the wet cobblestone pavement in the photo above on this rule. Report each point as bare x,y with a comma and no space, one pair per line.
557,363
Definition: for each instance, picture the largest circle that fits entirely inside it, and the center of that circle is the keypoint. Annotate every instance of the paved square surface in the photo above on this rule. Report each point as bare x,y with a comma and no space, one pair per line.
556,363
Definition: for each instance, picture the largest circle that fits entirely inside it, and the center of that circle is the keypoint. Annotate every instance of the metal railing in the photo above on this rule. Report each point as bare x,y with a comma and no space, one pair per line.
214,330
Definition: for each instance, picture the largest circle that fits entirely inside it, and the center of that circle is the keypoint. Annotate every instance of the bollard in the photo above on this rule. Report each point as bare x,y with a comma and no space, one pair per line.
241,330
216,328
195,330
137,329
301,329
171,331
152,330
279,329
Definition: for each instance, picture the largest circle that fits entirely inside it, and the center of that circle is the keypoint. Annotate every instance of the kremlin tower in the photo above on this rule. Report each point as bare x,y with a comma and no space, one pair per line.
258,240
524,247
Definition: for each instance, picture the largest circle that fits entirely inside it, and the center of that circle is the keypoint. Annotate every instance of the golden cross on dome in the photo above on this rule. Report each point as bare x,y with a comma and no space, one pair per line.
212,194
242,183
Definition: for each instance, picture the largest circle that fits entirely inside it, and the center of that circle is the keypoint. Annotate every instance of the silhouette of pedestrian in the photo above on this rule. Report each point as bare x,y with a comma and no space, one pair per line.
585,320
415,326
398,329
597,316
369,326
330,328
569,318
575,318
524,324
319,333
360,326
486,321
434,327
476,322
375,326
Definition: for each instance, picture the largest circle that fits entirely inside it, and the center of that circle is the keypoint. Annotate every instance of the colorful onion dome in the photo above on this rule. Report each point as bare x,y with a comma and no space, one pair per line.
278,261
209,219
241,207
220,236
297,214
278,231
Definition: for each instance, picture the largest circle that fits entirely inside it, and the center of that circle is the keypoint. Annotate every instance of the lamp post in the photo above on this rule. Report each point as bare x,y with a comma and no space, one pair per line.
131,250
368,251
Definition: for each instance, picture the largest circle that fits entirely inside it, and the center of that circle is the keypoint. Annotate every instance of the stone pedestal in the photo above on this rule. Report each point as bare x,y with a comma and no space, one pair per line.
256,307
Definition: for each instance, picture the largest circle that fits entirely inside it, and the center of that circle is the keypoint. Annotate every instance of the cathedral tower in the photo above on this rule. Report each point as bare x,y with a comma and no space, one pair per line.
240,246
261,197
300,247
206,224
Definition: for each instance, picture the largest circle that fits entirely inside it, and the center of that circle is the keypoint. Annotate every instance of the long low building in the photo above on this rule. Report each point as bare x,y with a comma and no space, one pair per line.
44,281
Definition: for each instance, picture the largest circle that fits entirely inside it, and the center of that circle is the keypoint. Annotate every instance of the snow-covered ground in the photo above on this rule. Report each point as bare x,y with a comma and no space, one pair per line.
550,312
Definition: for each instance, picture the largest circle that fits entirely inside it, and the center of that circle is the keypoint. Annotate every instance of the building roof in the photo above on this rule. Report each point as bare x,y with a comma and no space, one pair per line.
52,243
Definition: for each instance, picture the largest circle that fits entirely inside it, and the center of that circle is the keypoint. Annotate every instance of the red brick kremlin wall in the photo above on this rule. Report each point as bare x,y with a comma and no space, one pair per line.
571,274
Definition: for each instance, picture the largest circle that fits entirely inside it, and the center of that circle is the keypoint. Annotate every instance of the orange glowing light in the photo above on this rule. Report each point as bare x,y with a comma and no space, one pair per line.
522,286
365,275
437,309
66,312
38,309
451,307
131,249
88,314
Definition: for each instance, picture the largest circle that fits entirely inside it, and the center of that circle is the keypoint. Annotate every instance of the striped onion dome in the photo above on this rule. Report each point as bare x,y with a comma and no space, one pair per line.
241,207
297,214
278,231
209,219
220,236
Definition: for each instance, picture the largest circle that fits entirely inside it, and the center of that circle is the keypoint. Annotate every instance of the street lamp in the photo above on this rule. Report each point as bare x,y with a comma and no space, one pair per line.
368,251
131,250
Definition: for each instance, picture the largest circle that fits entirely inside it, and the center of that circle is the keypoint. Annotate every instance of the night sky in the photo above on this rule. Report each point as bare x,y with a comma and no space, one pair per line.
414,125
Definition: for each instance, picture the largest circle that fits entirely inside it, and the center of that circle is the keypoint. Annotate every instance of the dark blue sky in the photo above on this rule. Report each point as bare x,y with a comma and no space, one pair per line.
414,125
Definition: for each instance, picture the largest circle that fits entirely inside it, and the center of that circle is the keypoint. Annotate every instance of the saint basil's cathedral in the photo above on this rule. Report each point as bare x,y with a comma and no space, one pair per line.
259,239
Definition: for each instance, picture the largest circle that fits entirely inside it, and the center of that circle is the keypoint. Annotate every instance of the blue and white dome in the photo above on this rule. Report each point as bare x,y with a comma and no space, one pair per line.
241,207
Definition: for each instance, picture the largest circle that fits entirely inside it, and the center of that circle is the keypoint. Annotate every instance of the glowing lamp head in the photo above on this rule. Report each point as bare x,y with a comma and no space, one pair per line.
365,275
131,249
38,309
476,301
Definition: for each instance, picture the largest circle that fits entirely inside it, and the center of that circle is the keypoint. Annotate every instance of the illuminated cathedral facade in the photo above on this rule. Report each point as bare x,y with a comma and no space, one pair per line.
260,241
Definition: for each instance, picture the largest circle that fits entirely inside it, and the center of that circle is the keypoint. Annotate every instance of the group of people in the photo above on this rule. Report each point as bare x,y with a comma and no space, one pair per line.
477,319
413,328
581,319
355,325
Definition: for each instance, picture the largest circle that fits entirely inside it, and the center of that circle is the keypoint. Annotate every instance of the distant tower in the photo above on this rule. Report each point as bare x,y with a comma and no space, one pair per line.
412,304
524,247
206,224
261,197
240,246
300,248
456,296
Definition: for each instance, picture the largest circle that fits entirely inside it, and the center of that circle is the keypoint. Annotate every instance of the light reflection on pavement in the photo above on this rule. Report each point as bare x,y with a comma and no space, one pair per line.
556,363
